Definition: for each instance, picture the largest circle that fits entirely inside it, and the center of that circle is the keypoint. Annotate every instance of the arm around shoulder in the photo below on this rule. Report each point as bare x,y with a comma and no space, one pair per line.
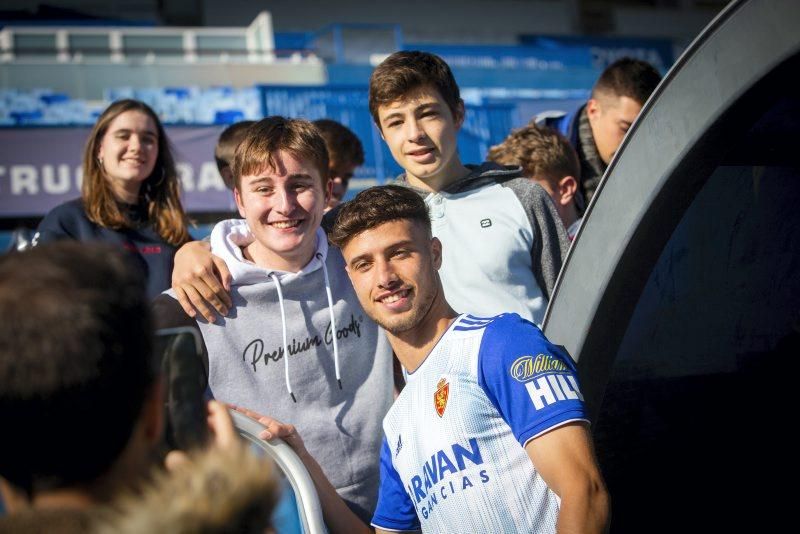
201,281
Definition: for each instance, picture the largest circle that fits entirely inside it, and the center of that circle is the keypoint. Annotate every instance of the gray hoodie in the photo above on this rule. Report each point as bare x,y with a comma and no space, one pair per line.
275,313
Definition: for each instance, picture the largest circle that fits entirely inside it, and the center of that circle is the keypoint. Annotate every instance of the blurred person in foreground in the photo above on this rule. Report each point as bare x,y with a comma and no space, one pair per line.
597,128
129,195
82,404
80,398
548,159
490,433
345,155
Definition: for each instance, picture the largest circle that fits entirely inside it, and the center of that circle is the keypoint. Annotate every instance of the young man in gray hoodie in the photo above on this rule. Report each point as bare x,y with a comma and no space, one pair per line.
298,345
505,241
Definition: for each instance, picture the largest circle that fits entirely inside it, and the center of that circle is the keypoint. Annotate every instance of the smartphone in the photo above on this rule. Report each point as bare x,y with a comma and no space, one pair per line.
185,377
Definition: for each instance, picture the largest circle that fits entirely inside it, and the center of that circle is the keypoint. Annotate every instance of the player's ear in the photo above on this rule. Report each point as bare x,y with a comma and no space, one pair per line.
436,252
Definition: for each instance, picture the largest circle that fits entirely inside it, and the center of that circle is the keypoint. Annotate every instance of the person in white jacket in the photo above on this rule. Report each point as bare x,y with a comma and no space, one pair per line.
298,345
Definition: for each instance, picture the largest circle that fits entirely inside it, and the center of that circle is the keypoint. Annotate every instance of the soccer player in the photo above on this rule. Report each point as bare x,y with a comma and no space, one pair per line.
490,433
76,352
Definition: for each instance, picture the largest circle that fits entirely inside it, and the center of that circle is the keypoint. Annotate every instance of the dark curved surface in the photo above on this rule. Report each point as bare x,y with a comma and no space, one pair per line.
706,103
680,299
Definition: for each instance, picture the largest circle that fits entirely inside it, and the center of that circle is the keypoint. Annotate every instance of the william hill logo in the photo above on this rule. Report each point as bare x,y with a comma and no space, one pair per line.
547,379
526,367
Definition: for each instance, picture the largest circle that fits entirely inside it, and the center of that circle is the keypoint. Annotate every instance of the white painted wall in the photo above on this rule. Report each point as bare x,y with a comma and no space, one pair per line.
88,80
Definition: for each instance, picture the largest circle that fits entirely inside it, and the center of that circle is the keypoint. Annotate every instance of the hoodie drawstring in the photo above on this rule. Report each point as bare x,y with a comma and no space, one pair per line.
285,344
333,319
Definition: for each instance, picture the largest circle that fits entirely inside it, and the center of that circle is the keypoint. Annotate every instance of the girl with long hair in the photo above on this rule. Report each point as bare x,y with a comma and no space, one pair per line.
129,193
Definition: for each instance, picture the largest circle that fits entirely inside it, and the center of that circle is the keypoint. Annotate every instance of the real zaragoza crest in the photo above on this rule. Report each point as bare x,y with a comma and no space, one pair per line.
440,397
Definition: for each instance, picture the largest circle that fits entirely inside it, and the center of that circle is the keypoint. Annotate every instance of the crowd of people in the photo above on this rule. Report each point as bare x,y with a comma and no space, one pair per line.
392,341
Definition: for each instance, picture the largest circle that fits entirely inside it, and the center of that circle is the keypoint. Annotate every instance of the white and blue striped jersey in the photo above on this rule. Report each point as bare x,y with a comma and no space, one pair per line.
453,457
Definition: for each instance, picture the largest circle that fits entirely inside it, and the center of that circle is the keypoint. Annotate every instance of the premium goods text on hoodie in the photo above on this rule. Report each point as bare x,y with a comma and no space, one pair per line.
314,317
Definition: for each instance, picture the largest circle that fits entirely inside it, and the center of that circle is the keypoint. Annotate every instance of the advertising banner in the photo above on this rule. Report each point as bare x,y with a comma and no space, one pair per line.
41,168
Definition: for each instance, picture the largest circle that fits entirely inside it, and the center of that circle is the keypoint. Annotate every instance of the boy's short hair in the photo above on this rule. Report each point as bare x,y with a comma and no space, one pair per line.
376,206
267,137
228,140
541,152
629,77
403,72
76,362
344,147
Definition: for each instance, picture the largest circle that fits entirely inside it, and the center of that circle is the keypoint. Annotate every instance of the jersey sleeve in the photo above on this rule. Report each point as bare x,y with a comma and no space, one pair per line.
531,382
394,511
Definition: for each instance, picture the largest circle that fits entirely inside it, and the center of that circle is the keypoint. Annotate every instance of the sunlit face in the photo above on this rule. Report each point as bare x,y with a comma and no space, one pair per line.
340,175
128,152
420,131
283,208
610,117
393,268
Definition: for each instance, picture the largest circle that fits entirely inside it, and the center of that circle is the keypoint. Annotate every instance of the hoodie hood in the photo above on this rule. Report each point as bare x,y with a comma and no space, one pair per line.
227,240
487,172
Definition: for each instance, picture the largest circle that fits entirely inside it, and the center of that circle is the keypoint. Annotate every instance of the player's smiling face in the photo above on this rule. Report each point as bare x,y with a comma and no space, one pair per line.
393,268
283,208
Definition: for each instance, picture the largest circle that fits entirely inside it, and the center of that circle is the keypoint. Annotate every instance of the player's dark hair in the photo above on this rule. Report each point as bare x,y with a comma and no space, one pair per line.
76,362
376,206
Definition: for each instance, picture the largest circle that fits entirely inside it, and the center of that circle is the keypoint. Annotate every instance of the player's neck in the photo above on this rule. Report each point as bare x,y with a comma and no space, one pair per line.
413,346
